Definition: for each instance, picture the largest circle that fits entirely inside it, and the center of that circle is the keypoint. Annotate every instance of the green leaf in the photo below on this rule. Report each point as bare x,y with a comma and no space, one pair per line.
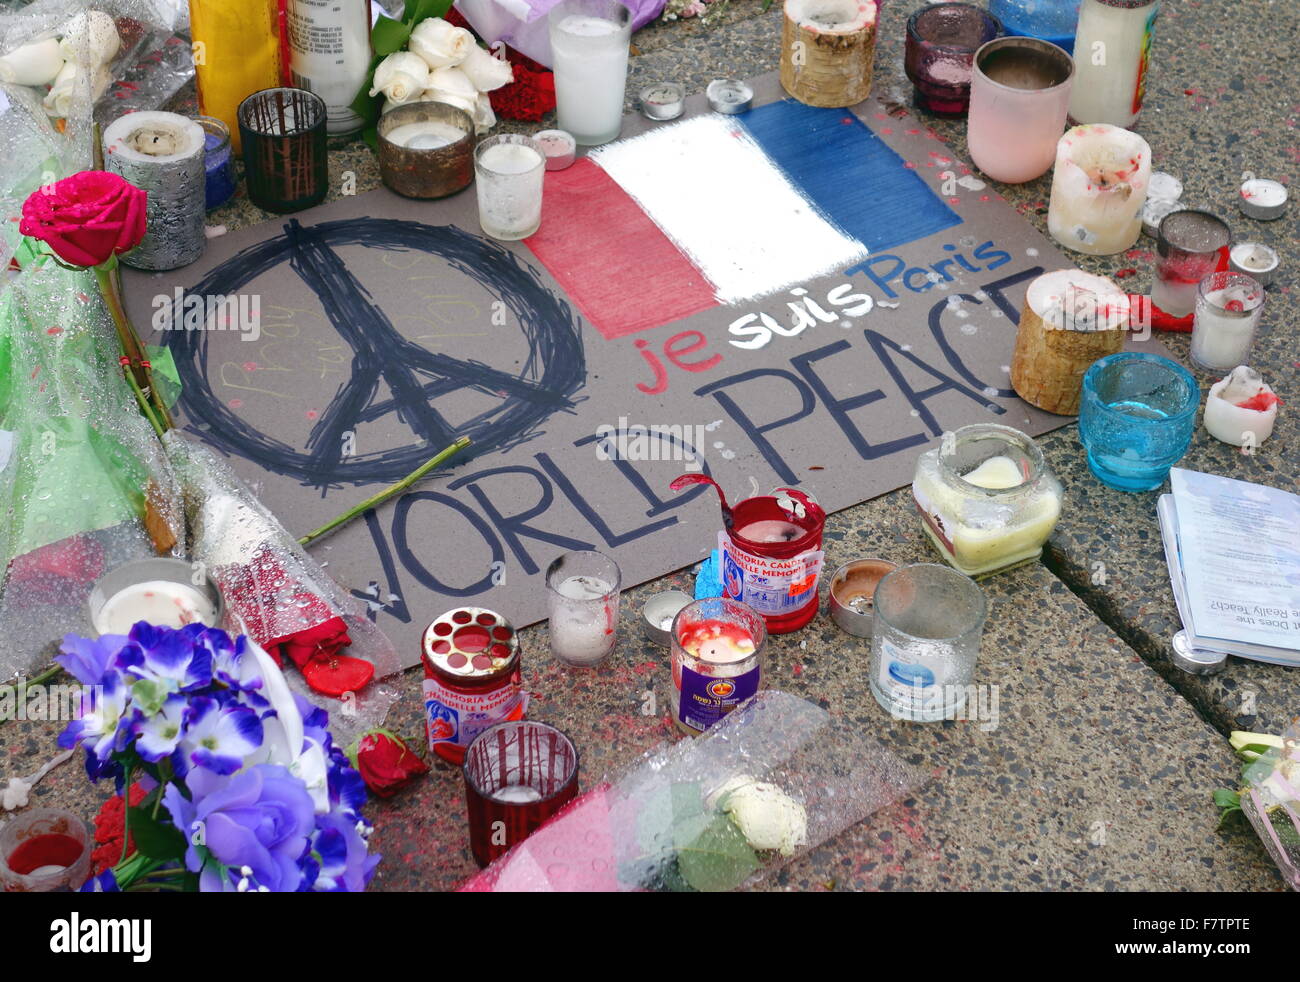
149,695
1227,799
156,838
718,859
418,10
389,35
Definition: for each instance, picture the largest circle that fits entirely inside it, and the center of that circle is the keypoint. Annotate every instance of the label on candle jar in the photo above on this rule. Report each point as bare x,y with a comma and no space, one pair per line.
914,680
705,699
456,718
772,587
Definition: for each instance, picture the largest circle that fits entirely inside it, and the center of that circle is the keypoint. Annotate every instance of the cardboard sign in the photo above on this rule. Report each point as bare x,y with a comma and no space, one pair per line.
792,297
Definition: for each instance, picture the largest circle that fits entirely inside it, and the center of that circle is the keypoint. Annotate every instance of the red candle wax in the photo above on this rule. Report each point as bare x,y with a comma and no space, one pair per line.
45,850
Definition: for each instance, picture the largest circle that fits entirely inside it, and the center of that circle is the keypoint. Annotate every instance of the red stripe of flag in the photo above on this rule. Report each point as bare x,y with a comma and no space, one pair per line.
624,274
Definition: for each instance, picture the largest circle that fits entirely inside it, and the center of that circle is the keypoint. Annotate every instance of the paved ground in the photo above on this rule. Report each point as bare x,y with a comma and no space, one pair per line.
1099,772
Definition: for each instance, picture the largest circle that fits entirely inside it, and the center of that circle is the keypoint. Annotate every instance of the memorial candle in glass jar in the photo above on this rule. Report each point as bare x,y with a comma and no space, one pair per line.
1190,245
1228,308
941,43
1112,50
1098,189
987,499
717,654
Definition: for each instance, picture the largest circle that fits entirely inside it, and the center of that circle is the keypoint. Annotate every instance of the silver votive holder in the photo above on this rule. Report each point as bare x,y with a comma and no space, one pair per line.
852,593
657,615
163,568
416,171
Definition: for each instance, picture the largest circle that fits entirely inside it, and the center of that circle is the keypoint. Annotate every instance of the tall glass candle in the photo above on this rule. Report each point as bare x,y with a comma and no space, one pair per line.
1098,189
236,53
329,54
509,168
1112,51
583,589
941,43
1190,245
717,653
286,163
1228,308
589,48
1020,90
1048,20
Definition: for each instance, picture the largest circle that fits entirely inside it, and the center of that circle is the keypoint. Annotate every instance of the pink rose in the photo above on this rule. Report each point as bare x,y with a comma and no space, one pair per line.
87,218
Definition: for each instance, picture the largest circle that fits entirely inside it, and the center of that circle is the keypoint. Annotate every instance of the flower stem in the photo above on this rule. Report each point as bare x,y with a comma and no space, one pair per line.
138,373
378,499
126,813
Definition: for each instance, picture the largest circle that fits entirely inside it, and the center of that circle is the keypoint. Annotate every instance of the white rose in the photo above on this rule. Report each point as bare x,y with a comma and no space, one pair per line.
440,44
485,71
38,63
484,117
451,82
401,77
71,85
91,39
766,816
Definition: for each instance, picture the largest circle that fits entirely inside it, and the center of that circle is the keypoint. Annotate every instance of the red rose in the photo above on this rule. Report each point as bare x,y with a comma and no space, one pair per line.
87,218
386,763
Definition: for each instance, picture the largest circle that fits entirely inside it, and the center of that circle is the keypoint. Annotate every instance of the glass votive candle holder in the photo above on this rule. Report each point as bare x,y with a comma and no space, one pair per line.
517,775
987,498
583,590
1099,187
43,850
1019,97
589,49
1228,308
1048,20
218,162
941,43
1190,245
282,132
1136,418
509,169
717,653
426,149
926,641
160,590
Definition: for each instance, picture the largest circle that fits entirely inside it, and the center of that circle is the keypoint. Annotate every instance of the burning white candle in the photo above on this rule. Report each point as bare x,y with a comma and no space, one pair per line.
1098,189
589,45
159,602
1228,308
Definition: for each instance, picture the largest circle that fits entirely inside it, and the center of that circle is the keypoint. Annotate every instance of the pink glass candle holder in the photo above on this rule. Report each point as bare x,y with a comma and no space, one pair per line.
517,775
1189,247
941,43
1020,93
44,850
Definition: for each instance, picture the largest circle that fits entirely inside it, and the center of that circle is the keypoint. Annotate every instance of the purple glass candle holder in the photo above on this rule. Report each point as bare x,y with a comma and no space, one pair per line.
941,43
517,775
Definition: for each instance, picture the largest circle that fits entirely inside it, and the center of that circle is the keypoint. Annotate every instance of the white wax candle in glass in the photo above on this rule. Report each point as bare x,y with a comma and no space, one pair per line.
589,48
427,135
160,602
1112,51
1228,308
1020,90
509,169
583,589
1098,189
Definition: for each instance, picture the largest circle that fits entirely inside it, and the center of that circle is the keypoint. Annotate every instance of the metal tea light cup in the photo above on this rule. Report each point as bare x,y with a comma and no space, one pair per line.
162,568
426,172
852,594
926,640
658,614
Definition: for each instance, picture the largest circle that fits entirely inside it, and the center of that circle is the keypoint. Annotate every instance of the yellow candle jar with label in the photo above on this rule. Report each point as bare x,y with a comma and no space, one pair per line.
987,499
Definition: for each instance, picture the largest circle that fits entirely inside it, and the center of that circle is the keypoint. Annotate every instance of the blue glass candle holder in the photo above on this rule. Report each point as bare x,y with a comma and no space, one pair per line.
1136,418
1048,20
218,161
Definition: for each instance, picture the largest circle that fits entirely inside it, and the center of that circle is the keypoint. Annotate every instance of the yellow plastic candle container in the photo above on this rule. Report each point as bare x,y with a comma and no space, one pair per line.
236,53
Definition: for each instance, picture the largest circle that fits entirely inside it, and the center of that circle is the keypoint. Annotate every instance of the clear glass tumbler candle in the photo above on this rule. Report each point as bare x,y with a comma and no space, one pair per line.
926,640
941,43
1136,418
717,653
584,601
218,162
517,775
589,47
1228,308
1190,245
1020,92
509,169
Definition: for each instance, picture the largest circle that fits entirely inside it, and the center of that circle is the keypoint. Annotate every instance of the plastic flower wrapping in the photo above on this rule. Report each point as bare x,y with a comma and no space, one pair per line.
1271,801
772,781
280,596
246,788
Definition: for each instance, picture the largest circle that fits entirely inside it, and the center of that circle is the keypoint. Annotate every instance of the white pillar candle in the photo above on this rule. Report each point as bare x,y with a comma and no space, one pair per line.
1098,189
1241,408
1112,50
1228,308
160,602
589,47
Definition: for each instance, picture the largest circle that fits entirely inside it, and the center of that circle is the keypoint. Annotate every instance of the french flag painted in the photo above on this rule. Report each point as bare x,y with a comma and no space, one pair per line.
723,209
